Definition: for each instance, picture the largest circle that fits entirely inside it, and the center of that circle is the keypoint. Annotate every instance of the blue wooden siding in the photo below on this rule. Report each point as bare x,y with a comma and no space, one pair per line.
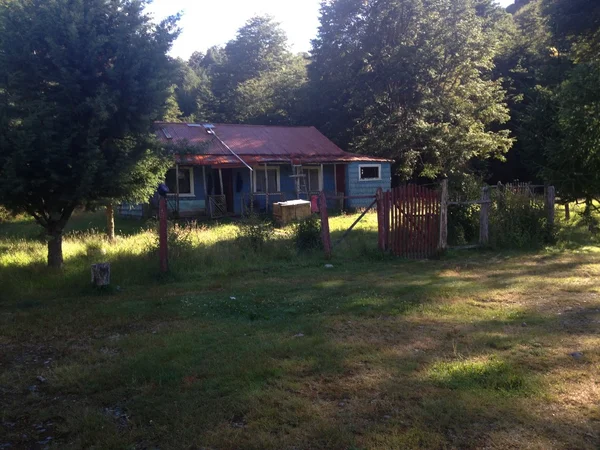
355,187
287,186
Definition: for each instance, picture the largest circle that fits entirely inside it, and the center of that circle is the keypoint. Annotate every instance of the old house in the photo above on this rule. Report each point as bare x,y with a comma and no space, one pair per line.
242,167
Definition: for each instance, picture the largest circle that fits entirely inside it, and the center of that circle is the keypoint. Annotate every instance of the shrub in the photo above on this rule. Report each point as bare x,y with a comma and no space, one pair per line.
307,234
518,220
179,239
254,232
463,224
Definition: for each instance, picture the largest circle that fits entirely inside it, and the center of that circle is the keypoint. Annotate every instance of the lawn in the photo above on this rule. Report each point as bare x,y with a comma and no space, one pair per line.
268,349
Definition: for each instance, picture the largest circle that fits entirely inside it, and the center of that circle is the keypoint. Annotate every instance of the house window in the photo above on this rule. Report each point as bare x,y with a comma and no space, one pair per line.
313,178
260,183
186,181
369,172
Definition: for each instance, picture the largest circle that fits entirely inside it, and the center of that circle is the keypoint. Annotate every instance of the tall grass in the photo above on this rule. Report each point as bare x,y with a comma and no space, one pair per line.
197,251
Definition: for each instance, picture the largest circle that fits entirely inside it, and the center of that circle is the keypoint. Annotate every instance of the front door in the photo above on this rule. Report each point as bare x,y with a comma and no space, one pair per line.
340,178
228,188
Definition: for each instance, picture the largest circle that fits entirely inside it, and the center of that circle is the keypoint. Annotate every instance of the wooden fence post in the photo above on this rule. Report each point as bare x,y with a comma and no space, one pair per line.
443,243
380,220
567,211
325,236
387,202
484,217
162,234
550,201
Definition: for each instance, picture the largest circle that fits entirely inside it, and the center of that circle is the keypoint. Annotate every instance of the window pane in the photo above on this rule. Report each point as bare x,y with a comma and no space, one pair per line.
312,179
260,180
367,173
170,181
272,174
185,185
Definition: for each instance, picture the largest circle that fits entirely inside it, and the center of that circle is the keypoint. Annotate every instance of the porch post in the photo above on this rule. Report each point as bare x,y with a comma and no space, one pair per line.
321,177
335,178
221,181
204,183
266,190
177,187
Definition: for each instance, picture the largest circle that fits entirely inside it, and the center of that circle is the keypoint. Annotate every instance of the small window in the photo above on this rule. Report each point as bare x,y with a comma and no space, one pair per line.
312,178
186,181
260,183
369,172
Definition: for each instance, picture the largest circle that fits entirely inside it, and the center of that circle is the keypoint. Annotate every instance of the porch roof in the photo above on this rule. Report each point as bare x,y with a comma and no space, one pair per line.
257,144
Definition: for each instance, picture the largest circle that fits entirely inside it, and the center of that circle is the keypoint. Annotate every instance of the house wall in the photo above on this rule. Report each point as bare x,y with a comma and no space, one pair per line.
355,187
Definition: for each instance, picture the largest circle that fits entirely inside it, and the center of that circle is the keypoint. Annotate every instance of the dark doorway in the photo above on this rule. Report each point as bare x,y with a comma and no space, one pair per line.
340,178
228,188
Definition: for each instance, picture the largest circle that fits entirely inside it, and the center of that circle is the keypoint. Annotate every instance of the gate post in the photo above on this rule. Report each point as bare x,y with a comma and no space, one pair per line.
484,217
443,243
387,203
162,233
325,236
381,234
550,200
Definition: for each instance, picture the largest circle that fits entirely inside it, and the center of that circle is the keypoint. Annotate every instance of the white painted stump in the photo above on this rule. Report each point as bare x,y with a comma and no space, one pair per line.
101,274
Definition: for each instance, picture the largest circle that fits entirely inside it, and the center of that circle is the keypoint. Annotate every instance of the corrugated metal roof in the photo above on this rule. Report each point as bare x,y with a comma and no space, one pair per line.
257,144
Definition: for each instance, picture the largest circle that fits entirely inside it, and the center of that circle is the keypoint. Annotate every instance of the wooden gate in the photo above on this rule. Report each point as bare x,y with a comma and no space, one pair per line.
414,221
217,205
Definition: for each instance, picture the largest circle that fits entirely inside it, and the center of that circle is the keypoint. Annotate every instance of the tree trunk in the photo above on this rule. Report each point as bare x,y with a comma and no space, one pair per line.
55,254
567,212
110,222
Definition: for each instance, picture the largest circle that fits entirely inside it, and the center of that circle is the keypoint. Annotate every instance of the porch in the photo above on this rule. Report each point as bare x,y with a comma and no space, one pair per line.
215,192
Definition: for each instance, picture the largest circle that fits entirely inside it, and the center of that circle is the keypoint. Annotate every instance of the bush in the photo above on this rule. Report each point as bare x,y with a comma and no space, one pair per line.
307,234
518,221
254,232
180,239
463,224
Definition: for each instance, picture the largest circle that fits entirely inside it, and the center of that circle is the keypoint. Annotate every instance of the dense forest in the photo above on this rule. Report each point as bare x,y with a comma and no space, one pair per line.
447,88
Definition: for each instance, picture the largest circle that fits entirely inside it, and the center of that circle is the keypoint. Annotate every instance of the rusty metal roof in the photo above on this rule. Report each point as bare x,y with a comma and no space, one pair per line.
257,144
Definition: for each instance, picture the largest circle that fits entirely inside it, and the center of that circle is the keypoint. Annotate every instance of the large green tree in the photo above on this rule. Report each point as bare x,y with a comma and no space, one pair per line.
411,80
81,82
561,130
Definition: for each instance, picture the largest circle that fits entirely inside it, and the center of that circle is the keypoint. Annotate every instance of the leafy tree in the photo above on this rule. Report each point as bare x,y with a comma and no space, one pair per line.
81,83
411,80
256,78
273,97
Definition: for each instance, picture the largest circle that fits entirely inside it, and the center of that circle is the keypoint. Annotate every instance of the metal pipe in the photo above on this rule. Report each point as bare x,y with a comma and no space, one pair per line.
227,147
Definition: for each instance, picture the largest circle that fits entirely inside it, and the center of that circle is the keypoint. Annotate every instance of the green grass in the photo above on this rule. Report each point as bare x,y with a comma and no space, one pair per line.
269,349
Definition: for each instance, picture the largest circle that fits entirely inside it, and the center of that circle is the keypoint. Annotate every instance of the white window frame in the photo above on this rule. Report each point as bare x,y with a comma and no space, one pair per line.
192,188
262,169
319,175
360,166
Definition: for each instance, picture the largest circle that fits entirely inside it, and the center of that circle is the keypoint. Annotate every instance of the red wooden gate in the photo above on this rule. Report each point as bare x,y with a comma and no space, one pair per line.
414,221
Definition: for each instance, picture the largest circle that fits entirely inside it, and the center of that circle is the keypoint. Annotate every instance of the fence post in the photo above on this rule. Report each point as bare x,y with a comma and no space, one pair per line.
387,202
567,211
550,200
162,234
380,220
443,243
325,236
484,217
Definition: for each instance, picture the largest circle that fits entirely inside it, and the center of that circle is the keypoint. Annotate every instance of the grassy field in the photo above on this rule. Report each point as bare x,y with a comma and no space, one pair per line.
243,349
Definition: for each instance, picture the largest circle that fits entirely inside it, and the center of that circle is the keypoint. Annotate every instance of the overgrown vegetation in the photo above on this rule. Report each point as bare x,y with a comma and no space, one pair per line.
269,349
518,220
307,234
